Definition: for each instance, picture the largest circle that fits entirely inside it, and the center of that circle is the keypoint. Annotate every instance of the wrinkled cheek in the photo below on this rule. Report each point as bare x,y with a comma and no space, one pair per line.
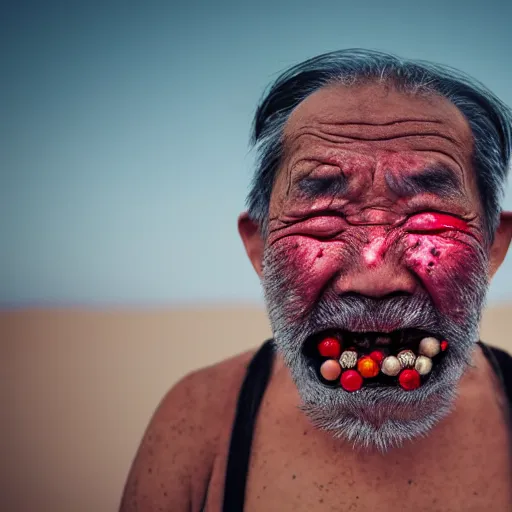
450,271
302,266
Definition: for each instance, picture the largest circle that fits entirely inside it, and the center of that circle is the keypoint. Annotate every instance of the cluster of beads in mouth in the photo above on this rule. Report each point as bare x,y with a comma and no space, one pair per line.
351,368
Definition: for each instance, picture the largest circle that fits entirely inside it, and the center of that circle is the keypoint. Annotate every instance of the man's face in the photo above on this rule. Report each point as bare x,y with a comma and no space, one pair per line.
375,238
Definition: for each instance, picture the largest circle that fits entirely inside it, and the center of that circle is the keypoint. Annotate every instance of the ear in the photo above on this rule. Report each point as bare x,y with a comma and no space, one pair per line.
501,242
253,241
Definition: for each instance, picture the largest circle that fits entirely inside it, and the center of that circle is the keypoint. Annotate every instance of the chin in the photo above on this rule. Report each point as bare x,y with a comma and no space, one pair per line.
381,414
376,421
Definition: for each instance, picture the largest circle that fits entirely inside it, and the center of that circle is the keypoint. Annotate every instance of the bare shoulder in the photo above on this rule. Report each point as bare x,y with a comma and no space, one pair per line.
173,464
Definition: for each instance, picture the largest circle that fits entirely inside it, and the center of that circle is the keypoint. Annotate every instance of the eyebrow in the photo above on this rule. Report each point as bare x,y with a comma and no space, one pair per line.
439,180
314,187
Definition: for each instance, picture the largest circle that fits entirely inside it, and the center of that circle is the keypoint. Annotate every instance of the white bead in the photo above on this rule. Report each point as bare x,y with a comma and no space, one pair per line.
423,365
429,347
406,358
390,366
348,359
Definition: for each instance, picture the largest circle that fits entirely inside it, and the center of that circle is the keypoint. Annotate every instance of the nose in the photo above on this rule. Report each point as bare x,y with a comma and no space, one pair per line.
379,282
377,273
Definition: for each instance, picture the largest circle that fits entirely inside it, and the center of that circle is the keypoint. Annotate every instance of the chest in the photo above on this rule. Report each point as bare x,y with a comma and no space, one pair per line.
294,467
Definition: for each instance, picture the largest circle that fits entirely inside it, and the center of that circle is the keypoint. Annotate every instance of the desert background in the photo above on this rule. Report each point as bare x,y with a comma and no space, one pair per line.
124,164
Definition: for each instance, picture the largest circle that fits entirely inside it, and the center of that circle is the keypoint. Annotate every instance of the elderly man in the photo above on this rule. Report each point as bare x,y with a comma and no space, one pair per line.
374,223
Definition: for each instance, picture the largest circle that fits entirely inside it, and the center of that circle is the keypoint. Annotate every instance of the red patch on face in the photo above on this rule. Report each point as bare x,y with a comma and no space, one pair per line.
431,223
439,261
308,264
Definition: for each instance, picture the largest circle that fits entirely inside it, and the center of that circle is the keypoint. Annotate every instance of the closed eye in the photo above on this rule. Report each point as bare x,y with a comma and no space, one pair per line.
322,186
322,226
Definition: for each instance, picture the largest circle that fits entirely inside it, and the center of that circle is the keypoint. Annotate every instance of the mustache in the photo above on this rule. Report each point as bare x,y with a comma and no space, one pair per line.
360,313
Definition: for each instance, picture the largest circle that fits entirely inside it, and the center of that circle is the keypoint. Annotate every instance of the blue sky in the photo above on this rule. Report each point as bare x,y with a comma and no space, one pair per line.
125,160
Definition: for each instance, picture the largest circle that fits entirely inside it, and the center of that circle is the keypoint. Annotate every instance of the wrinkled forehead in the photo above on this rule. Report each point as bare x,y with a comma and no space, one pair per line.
375,117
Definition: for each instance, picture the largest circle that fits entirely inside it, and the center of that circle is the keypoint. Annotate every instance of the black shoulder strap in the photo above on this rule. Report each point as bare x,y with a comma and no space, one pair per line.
249,400
501,362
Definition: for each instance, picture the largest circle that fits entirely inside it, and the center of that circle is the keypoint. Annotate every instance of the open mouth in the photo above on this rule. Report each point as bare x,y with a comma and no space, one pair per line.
352,360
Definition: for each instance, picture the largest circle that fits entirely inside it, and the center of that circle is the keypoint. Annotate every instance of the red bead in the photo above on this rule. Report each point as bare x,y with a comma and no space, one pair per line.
330,347
351,380
444,345
377,356
409,379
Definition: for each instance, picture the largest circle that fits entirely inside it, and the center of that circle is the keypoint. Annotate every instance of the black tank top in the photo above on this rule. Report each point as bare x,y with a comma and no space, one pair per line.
249,401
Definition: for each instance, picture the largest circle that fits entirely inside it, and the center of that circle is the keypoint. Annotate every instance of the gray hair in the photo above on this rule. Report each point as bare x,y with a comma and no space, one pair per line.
489,118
